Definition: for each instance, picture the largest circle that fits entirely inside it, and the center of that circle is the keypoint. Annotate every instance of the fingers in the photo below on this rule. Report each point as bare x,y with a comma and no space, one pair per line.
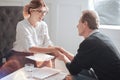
56,51
60,49
60,56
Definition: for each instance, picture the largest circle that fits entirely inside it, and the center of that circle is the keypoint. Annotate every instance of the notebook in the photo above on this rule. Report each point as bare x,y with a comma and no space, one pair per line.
45,72
40,57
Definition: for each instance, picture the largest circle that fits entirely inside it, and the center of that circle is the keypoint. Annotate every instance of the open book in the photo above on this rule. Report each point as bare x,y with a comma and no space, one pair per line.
45,72
40,57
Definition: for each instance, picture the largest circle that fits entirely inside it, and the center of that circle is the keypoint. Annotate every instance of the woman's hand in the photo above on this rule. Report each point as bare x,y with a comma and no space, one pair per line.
54,51
63,51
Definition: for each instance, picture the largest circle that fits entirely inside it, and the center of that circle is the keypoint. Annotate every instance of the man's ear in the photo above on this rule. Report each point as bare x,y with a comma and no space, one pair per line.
31,10
86,23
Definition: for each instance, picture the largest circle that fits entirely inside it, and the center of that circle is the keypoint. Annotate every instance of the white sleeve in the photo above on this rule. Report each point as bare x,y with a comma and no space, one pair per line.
25,36
47,40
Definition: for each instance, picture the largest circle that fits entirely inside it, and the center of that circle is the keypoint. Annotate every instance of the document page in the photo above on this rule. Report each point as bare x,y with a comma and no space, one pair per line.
40,57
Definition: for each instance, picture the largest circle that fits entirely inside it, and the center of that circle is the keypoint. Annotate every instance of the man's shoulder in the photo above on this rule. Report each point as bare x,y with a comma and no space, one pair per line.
97,35
94,38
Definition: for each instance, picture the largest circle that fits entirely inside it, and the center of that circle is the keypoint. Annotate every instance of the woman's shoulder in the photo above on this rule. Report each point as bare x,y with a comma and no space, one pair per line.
22,24
22,21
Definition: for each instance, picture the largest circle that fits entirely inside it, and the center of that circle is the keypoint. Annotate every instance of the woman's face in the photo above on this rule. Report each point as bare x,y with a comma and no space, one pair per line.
38,13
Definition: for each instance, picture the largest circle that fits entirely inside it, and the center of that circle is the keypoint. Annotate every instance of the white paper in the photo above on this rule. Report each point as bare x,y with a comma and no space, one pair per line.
40,57
45,72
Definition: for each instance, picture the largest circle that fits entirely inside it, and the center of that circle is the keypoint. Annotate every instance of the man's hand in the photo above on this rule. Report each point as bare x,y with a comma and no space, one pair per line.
66,53
62,57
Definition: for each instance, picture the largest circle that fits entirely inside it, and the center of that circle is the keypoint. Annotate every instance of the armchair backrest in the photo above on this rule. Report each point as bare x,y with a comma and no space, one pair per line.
9,17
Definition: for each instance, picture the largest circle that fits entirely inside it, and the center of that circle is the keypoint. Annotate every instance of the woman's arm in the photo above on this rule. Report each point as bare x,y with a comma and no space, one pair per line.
51,50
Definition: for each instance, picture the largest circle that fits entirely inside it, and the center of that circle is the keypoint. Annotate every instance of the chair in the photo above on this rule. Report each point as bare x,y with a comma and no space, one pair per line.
9,17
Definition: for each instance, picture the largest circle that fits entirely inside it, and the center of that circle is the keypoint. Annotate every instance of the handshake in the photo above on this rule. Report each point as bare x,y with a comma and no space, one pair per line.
61,54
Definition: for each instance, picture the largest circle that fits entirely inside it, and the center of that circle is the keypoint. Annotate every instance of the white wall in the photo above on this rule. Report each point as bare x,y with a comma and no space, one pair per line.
62,19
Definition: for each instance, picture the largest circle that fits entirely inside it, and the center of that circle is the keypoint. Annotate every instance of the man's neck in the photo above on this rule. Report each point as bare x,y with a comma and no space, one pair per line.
88,32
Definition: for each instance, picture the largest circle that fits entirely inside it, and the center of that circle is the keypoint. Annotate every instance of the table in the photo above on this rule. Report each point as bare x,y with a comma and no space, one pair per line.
21,75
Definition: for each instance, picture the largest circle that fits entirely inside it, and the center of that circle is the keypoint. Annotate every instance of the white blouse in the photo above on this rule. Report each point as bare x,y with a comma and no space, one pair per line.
28,36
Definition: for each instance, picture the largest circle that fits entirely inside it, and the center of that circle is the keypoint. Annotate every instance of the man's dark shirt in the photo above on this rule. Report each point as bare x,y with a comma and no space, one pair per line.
99,53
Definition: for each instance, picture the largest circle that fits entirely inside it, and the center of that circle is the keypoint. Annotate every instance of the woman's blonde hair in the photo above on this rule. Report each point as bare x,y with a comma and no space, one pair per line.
33,5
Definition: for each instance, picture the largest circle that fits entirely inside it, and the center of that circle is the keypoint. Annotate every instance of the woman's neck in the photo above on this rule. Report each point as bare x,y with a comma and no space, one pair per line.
32,21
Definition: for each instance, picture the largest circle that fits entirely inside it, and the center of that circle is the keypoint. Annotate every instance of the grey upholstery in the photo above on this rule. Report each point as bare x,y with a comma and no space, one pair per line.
9,16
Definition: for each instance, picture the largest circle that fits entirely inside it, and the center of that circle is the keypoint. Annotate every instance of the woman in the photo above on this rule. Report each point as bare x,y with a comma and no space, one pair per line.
32,34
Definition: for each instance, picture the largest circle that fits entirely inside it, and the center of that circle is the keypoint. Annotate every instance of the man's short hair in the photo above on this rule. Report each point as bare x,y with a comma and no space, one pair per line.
91,17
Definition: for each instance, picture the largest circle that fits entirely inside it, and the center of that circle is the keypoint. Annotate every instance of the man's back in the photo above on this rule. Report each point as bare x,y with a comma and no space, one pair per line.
107,62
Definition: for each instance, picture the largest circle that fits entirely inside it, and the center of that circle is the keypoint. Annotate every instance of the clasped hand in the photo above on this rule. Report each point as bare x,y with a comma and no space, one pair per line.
61,54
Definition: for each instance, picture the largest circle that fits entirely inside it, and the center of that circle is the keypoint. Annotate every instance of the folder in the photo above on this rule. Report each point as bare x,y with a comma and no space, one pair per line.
44,72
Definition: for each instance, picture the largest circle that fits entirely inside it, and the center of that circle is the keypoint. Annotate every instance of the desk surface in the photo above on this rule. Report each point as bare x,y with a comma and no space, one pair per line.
21,75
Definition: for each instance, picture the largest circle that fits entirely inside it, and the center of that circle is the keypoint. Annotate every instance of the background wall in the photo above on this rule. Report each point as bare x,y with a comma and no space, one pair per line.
62,20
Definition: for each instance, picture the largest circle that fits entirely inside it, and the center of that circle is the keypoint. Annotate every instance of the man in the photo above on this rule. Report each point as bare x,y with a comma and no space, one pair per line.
96,52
